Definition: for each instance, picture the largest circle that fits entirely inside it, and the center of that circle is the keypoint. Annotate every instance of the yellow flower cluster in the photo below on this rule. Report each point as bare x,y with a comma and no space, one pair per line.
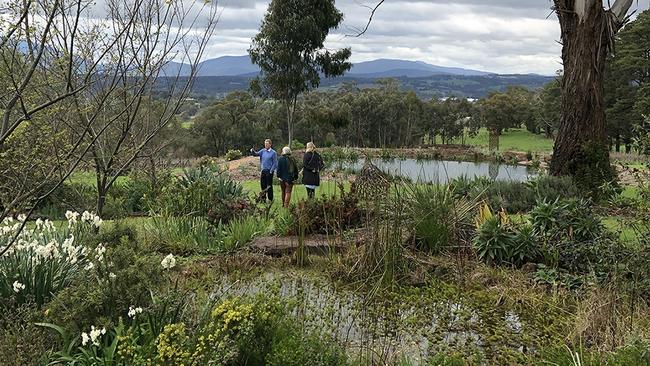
172,345
233,316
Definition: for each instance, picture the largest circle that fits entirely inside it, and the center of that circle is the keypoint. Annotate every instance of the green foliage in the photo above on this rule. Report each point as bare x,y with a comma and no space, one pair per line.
26,158
501,111
241,231
125,279
235,122
289,49
515,197
282,223
22,342
500,242
324,215
439,218
591,168
549,107
182,235
634,353
386,154
572,236
297,145
205,191
233,155
235,332
627,84
642,136
43,260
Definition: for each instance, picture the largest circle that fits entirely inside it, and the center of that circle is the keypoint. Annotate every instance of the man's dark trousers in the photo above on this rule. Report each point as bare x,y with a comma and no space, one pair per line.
266,182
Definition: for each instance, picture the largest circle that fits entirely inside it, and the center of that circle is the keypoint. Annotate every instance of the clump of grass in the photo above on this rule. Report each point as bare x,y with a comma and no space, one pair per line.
241,231
439,219
182,235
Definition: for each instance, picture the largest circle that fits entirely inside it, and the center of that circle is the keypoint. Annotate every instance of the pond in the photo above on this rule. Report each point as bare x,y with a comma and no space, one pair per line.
413,325
442,171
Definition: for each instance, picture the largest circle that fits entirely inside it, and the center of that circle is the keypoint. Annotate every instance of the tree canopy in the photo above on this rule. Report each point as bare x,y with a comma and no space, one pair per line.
289,49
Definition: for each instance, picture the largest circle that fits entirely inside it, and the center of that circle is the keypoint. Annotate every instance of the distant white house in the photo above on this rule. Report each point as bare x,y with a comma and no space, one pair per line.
471,100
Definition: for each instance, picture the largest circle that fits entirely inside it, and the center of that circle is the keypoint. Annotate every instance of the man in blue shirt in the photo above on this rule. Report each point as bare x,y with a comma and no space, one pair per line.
268,164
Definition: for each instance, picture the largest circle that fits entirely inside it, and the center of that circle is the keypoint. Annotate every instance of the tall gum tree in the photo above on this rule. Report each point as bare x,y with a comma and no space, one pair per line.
587,36
290,51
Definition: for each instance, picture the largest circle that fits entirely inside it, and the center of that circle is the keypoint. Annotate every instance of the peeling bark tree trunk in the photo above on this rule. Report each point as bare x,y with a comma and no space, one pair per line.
581,147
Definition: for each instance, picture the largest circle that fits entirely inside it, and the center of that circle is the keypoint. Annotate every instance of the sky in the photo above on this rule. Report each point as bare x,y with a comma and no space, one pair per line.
502,36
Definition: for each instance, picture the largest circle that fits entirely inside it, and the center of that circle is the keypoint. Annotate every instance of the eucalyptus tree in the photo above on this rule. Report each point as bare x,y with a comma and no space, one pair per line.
587,35
289,49
548,107
501,111
230,123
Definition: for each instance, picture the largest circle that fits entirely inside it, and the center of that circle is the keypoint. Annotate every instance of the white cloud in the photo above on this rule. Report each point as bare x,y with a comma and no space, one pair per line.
505,36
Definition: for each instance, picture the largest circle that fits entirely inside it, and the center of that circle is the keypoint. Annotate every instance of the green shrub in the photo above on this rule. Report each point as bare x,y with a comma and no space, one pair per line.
22,342
203,191
464,186
69,196
548,187
182,235
515,197
572,236
282,223
294,349
110,287
495,241
386,154
238,331
352,155
297,145
325,215
233,155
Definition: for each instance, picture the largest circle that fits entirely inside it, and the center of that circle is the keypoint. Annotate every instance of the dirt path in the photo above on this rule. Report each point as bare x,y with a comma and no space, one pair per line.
245,168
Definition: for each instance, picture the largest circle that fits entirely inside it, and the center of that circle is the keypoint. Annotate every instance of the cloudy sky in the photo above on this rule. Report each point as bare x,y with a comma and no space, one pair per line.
504,36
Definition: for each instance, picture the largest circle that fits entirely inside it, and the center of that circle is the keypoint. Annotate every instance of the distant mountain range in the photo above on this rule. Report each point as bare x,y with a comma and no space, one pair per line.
219,76
381,68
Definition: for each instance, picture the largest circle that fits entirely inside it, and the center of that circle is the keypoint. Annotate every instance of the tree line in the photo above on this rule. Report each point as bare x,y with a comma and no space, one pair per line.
387,116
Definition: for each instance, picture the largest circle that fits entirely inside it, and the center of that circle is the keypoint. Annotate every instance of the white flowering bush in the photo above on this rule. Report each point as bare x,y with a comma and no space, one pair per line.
44,258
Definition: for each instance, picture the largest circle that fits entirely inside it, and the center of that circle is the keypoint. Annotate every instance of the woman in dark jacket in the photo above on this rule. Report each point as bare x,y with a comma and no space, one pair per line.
312,165
287,174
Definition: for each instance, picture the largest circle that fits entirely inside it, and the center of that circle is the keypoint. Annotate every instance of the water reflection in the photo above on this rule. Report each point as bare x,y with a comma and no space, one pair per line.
442,171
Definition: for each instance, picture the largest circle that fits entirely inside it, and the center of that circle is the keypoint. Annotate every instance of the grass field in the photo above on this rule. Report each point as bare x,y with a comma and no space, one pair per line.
513,140
327,188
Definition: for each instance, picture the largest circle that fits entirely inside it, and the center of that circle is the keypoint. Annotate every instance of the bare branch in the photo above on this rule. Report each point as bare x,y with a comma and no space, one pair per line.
372,13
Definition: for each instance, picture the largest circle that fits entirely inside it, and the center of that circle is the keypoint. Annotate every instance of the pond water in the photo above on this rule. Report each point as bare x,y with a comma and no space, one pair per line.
414,327
442,171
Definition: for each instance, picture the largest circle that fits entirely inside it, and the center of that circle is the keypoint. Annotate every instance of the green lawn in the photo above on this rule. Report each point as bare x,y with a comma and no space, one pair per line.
513,140
616,224
328,188
88,178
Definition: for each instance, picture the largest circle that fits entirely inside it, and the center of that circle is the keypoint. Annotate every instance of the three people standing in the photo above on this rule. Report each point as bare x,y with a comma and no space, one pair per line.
287,170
